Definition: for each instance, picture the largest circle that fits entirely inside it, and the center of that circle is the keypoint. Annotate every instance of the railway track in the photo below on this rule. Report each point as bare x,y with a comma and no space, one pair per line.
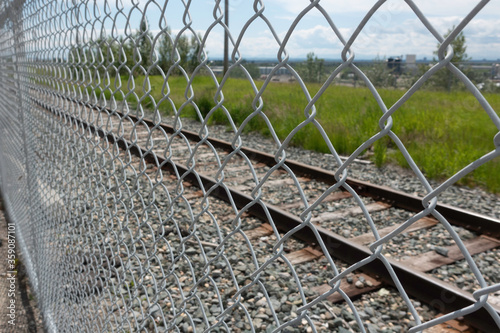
280,197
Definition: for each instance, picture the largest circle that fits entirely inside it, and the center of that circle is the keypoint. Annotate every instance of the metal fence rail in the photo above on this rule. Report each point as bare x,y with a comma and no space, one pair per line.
114,242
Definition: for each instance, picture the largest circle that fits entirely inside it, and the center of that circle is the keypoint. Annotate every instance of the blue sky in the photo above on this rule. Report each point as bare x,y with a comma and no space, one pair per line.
393,30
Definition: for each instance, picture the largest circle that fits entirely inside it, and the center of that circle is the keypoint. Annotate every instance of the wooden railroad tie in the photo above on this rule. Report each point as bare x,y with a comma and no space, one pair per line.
450,326
368,237
264,230
371,208
303,255
335,196
351,289
430,260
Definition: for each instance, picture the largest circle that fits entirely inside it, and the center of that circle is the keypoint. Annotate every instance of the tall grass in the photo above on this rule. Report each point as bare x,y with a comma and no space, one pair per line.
442,131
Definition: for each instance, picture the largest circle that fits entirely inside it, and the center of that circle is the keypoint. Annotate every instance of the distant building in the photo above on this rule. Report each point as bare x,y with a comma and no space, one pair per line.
217,70
394,64
411,59
411,63
266,70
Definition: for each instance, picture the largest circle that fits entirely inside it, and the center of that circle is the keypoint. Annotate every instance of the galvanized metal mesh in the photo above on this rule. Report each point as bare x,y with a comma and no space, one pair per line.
114,242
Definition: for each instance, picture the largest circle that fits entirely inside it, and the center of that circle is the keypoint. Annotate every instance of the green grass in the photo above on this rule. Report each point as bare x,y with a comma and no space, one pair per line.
442,131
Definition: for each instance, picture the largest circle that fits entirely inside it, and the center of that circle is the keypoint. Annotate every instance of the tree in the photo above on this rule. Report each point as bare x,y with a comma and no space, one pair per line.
165,50
380,75
142,47
444,78
106,51
194,49
187,49
313,68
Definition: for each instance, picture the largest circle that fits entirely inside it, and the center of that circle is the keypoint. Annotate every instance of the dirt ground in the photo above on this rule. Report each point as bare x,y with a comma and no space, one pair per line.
18,308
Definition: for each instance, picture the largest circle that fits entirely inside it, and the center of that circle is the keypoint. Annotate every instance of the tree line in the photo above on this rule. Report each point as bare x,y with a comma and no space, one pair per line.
134,54
141,53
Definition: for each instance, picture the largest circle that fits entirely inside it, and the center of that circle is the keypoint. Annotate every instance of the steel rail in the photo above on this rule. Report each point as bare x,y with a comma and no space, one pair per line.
460,217
470,220
419,285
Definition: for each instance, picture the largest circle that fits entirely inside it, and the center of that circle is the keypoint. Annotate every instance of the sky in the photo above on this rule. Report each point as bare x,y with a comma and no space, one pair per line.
393,30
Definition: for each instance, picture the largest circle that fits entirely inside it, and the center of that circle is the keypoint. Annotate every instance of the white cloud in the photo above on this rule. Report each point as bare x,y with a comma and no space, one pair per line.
428,7
319,39
392,30
296,6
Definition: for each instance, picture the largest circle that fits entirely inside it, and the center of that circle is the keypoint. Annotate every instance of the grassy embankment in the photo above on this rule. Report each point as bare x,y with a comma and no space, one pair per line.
442,131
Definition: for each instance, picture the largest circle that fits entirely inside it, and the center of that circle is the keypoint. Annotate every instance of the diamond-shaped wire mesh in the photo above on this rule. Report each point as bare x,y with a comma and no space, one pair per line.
116,226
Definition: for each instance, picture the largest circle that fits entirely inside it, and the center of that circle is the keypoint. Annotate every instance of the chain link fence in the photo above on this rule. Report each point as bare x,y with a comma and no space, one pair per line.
114,241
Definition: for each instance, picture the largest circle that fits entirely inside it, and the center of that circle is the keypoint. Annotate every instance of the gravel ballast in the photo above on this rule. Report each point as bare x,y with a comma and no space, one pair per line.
186,262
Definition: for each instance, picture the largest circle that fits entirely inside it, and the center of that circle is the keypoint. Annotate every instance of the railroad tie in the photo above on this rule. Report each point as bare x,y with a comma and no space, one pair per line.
430,260
371,208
